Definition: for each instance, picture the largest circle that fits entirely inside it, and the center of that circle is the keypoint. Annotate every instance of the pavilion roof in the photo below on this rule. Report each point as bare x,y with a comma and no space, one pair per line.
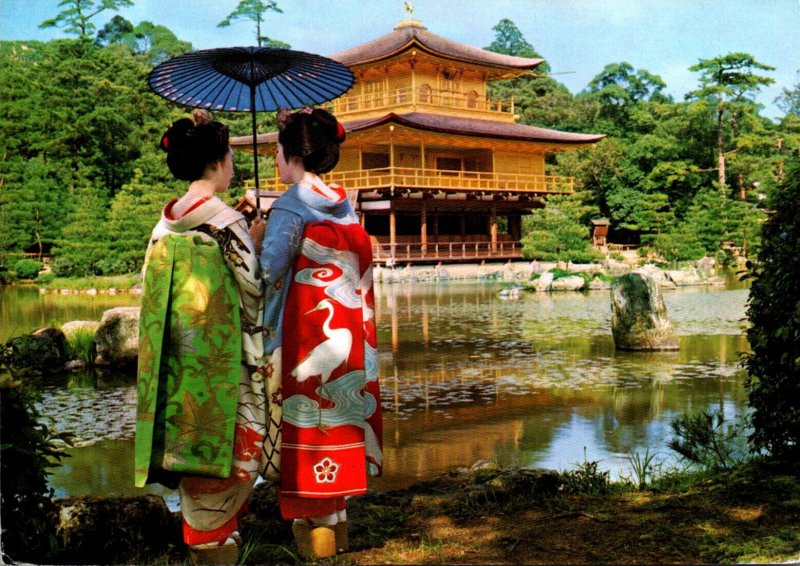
412,32
449,125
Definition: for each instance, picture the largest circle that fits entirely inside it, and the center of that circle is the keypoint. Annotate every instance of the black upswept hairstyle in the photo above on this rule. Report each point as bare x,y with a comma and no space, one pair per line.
194,144
312,135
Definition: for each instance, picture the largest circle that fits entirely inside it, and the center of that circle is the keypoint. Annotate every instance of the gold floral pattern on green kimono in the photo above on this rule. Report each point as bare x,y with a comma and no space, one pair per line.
189,362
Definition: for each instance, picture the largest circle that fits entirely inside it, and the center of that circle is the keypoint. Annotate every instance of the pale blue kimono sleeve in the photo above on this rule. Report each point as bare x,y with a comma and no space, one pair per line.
282,240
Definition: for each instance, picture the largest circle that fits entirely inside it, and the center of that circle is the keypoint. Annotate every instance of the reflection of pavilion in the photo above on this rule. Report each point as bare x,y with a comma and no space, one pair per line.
436,169
447,404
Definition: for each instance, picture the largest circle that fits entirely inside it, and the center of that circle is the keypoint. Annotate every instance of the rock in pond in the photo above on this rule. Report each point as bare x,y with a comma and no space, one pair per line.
638,315
117,337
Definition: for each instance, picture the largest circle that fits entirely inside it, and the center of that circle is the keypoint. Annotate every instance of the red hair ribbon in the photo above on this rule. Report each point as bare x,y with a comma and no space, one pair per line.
340,133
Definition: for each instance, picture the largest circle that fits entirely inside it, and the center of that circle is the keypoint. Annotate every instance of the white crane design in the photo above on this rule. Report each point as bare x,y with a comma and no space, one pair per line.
329,354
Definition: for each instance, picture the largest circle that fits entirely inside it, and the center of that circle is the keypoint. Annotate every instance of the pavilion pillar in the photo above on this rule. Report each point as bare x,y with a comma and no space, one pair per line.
493,228
414,83
392,233
424,229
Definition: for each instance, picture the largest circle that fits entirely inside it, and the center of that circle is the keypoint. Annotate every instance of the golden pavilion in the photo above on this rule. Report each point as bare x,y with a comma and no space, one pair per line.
436,170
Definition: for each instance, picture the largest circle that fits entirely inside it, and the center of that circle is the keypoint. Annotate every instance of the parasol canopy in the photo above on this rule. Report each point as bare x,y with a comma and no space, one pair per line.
250,79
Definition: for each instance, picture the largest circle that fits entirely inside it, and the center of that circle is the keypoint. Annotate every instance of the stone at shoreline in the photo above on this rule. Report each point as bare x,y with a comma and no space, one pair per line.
569,283
657,274
685,277
45,349
75,365
705,267
98,530
638,315
117,337
543,283
597,284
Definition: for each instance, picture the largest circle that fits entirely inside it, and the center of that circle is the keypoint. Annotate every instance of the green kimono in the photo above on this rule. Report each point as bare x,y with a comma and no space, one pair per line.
190,362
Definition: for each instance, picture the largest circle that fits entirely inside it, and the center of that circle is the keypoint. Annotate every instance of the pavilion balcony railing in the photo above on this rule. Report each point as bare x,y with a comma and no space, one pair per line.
420,99
442,251
437,179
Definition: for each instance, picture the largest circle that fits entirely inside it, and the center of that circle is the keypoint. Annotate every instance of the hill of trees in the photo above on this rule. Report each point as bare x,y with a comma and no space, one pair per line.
83,179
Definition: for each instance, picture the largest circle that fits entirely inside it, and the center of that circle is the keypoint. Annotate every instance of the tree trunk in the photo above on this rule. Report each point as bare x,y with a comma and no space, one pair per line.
742,192
720,149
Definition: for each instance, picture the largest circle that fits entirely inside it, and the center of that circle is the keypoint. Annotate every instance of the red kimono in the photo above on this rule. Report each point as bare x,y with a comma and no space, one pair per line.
331,417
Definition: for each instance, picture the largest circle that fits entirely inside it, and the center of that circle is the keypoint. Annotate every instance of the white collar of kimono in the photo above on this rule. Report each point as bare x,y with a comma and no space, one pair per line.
312,180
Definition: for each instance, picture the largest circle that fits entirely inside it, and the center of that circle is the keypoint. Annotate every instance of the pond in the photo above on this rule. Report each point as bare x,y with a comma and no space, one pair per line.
465,375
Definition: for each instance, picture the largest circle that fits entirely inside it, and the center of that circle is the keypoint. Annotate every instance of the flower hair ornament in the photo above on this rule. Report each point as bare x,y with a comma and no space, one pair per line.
340,132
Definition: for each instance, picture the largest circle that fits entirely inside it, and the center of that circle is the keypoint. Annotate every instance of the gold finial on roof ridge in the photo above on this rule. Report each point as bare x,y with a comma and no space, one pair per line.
409,23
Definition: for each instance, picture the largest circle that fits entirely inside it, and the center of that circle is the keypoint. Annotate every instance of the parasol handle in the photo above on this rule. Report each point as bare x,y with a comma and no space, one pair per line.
255,149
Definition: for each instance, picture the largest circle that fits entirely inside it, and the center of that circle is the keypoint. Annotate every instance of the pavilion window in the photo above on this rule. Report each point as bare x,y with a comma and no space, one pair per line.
449,165
472,99
425,93
370,160
373,94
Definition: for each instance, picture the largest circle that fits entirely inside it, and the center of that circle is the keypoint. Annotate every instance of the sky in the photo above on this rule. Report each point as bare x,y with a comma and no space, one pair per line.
578,38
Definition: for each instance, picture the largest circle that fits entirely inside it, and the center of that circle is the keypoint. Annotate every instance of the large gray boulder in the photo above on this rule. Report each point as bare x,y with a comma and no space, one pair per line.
638,315
117,337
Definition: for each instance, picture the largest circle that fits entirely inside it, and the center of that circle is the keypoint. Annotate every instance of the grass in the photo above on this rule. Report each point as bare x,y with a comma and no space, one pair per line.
122,282
80,345
643,468
746,514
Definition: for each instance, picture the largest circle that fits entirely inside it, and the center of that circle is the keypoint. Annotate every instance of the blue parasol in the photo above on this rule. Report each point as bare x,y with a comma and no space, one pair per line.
250,79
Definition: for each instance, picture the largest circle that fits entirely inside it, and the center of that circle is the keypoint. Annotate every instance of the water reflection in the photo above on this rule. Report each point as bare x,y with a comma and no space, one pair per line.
537,381
468,376
23,309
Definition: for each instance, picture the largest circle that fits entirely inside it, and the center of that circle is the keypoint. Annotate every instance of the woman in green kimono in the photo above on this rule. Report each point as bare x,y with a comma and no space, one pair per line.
201,403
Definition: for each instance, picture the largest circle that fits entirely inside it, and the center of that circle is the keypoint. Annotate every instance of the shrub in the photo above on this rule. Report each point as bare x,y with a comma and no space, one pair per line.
45,278
28,268
63,267
5,275
774,334
586,479
704,439
29,451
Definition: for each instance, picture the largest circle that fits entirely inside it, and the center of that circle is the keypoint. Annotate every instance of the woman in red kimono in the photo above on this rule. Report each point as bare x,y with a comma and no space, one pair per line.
325,429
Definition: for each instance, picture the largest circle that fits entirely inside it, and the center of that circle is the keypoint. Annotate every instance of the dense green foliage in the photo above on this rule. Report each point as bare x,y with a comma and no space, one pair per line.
559,232
656,176
28,453
774,335
82,175
83,179
28,268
